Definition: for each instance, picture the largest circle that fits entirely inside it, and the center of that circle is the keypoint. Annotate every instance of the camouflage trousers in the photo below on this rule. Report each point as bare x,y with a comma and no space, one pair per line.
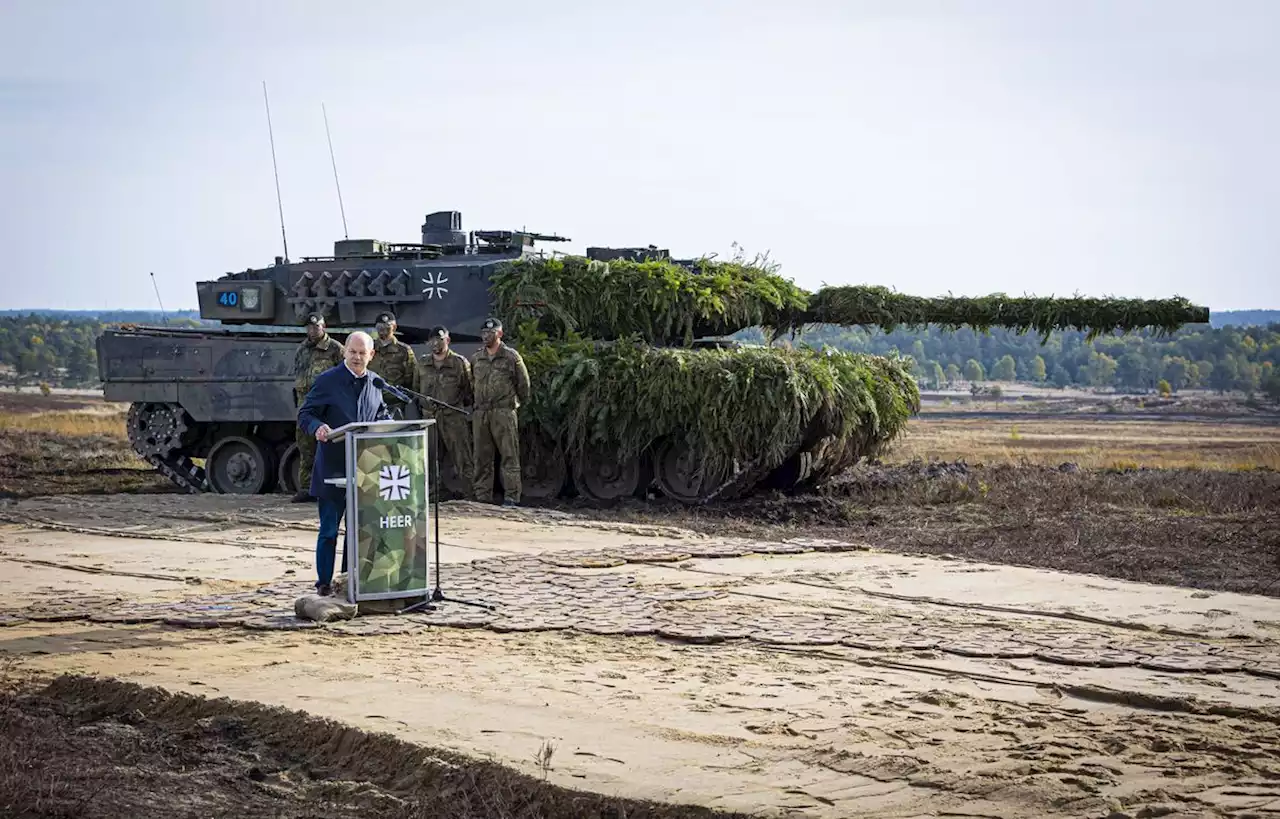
306,458
454,433
496,429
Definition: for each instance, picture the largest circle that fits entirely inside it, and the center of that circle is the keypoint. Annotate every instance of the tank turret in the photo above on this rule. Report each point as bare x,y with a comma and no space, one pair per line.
442,280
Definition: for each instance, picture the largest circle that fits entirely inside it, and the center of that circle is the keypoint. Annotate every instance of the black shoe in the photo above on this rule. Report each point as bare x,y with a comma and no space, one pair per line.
301,496
325,591
510,503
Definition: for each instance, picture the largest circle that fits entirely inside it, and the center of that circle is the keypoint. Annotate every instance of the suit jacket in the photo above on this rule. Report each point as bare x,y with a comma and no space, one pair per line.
333,399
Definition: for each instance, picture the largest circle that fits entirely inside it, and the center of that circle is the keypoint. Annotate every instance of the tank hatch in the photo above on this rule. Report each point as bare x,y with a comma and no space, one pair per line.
630,254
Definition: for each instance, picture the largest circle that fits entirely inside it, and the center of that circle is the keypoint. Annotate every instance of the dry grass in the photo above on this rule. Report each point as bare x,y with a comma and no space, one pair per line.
107,420
1094,443
72,415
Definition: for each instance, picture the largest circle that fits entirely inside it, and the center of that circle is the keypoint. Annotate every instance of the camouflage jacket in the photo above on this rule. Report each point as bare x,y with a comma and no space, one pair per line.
501,382
312,359
394,361
448,381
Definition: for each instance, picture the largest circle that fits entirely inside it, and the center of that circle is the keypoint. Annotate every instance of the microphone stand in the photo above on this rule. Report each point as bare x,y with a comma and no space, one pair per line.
437,595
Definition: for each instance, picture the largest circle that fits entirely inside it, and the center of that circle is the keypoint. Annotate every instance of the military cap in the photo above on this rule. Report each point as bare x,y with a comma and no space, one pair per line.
385,318
315,318
439,332
491,324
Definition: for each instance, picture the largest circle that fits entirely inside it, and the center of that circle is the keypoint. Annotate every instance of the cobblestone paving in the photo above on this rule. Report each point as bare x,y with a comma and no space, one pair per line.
590,592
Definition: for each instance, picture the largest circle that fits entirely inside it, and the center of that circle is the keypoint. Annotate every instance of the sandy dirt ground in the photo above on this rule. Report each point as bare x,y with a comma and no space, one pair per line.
804,678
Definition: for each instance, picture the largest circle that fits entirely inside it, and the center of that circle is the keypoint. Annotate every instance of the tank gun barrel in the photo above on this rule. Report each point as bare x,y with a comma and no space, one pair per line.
665,302
881,307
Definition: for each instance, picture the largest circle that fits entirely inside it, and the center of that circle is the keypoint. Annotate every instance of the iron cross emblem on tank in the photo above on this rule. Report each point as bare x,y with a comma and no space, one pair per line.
433,282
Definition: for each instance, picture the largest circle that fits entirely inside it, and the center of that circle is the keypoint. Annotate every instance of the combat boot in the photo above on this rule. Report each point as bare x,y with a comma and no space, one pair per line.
301,496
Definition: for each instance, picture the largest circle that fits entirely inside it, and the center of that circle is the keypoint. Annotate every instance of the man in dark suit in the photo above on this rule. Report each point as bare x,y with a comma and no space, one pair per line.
339,396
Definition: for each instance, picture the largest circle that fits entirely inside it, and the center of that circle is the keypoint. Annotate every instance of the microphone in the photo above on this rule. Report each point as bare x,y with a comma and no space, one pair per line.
380,383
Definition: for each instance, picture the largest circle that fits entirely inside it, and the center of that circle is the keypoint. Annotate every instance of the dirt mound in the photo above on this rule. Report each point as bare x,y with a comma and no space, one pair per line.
1062,486
876,475
37,462
87,747
1209,529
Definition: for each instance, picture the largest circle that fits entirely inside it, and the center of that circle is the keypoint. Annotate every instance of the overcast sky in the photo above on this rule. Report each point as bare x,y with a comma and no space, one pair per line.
1113,147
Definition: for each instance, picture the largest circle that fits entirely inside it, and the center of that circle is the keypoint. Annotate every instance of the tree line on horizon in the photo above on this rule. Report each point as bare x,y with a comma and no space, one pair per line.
1226,359
61,350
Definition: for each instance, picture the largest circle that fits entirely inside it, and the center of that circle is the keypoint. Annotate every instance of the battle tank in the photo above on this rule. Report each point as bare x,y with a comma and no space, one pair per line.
637,387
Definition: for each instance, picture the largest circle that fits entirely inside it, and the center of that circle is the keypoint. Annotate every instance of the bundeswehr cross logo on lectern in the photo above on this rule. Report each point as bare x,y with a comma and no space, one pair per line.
393,483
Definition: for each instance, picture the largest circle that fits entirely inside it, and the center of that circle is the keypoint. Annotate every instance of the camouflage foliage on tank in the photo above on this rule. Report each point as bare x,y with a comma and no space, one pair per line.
664,302
609,347
750,405
390,485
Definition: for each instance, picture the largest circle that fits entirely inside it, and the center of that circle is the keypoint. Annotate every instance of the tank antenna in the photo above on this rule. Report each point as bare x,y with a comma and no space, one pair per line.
274,167
163,317
334,162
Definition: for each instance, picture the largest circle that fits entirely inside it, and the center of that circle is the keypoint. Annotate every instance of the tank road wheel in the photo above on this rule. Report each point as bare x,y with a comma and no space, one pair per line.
240,466
793,472
290,471
543,470
601,477
680,476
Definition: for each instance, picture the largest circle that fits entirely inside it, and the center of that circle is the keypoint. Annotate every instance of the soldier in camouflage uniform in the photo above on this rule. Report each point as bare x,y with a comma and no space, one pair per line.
396,361
501,385
315,355
446,376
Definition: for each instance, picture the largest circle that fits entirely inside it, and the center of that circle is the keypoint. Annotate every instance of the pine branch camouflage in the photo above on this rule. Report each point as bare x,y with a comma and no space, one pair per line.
603,344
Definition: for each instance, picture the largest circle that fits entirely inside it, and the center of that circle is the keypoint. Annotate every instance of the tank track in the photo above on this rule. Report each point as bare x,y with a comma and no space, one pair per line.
742,482
182,471
156,432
